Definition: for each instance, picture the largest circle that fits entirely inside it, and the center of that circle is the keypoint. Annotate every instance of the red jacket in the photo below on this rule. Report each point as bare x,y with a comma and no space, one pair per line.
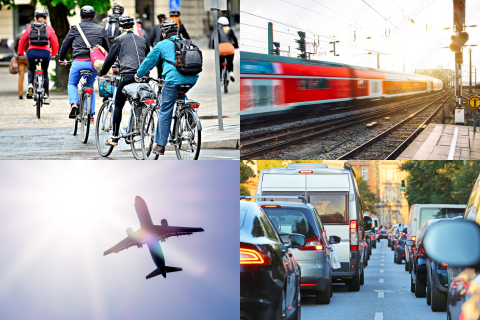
52,37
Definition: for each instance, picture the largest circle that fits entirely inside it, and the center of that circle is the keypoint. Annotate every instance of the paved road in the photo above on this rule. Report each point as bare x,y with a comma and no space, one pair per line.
397,301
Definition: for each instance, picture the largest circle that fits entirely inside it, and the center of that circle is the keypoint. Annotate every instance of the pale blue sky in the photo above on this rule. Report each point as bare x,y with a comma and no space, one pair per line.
57,219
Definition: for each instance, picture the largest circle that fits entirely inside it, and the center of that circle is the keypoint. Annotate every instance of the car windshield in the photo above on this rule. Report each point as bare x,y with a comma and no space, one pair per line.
438,213
293,220
330,206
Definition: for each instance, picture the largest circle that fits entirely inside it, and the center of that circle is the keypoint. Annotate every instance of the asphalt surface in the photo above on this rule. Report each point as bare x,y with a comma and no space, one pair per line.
389,300
59,143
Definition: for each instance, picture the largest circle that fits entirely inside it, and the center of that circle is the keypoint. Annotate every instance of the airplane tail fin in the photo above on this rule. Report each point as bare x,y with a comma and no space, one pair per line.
158,272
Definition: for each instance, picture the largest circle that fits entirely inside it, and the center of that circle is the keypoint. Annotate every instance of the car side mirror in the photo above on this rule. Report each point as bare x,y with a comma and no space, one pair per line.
409,243
367,223
334,239
296,240
460,250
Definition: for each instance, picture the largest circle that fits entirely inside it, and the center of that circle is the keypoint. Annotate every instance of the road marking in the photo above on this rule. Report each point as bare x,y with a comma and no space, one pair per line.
378,316
451,153
381,271
381,294
380,280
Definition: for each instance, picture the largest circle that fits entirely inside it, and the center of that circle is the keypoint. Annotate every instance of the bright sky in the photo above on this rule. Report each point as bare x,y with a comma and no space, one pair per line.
57,219
352,21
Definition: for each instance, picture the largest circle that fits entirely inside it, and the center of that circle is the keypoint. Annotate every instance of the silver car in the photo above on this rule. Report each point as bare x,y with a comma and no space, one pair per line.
314,257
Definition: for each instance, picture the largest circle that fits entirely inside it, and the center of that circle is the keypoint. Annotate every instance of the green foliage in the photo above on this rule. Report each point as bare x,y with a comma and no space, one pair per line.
368,197
440,181
245,172
244,191
9,3
100,6
326,150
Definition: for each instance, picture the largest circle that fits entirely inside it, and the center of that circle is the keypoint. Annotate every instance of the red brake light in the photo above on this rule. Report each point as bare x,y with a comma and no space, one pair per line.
271,206
353,266
353,224
149,101
194,106
353,247
89,90
305,171
307,284
413,238
454,286
444,264
114,70
39,72
314,243
249,256
353,235
422,251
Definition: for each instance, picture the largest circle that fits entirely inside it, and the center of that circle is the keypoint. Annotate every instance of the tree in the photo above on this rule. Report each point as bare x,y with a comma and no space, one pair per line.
368,198
245,173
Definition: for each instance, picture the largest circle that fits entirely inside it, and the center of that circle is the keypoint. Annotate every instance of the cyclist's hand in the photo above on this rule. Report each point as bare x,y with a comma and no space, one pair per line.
139,79
63,63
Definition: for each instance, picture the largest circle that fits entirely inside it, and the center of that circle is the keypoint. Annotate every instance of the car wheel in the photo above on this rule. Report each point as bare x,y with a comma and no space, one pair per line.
399,258
420,289
406,265
374,244
439,300
298,310
429,293
323,297
365,260
394,258
410,266
389,243
378,239
412,284
354,284
362,277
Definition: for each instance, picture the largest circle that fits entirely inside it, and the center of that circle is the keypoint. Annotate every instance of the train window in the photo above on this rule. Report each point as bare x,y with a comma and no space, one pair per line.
322,84
388,91
394,90
302,84
362,84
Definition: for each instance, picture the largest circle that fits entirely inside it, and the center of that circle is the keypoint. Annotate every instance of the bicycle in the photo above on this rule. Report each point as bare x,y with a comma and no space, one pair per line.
131,132
225,77
187,129
84,112
38,89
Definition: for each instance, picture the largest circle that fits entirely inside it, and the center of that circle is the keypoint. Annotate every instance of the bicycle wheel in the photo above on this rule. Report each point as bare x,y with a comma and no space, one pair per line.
75,121
104,129
39,105
225,80
85,129
149,124
135,126
187,136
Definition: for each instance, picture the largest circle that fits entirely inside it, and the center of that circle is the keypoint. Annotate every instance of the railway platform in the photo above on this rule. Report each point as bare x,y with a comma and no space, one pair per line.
444,142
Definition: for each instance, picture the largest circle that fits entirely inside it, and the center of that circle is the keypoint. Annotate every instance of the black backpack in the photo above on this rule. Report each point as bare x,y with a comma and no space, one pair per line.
38,34
112,27
188,57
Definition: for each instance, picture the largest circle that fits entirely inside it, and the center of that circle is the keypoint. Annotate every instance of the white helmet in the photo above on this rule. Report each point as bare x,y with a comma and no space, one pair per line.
223,21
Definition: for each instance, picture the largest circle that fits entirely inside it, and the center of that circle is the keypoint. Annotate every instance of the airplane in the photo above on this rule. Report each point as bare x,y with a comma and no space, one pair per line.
150,235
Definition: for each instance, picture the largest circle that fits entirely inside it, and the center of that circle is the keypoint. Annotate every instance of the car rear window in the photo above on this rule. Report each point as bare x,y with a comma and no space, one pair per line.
439,213
332,207
293,220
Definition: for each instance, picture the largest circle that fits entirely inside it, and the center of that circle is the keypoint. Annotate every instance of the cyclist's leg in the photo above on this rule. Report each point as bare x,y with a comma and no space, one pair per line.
222,60
230,66
73,80
169,96
120,100
45,56
91,82
31,67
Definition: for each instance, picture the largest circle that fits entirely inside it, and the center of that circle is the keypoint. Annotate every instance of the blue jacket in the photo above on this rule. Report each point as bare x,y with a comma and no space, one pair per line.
165,50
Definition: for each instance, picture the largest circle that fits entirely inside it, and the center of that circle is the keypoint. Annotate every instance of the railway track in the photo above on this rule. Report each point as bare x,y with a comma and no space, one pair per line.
255,145
391,143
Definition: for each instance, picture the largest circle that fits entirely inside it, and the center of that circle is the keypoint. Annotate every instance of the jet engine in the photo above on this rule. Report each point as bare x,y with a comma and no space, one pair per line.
130,233
164,223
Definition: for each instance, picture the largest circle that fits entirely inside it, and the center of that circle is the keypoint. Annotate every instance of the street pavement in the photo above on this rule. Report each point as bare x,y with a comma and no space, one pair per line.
387,300
23,136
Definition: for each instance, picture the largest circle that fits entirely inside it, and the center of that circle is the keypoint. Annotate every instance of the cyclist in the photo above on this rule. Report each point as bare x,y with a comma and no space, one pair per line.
164,52
141,31
175,16
130,50
38,49
110,23
156,37
226,35
96,35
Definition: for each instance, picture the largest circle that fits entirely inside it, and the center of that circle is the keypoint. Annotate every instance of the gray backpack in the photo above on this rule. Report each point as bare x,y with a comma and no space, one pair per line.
188,57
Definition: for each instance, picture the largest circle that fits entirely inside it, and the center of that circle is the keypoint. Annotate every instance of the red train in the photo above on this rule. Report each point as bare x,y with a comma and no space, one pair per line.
274,84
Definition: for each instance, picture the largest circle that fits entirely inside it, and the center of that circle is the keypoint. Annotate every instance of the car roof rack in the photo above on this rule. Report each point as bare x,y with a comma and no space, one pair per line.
283,197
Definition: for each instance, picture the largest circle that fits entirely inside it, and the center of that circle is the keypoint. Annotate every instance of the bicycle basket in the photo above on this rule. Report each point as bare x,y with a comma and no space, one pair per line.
105,88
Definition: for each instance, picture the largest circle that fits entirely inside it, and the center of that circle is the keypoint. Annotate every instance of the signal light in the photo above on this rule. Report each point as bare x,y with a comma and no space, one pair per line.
403,184
306,284
270,206
249,256
305,171
276,51
89,90
413,238
422,251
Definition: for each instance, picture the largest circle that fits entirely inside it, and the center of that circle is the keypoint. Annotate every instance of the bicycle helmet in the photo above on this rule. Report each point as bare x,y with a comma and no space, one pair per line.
118,9
126,22
41,13
223,21
87,12
161,16
138,20
168,26
174,13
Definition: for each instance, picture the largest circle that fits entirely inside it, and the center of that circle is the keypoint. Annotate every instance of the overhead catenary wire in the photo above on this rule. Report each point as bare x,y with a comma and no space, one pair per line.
310,10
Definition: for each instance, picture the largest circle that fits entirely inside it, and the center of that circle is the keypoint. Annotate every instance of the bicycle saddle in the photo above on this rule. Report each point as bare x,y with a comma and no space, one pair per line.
183,88
89,72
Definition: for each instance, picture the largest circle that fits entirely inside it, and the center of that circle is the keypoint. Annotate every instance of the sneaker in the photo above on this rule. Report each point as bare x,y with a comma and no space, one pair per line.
232,78
73,111
30,91
46,100
20,97
158,149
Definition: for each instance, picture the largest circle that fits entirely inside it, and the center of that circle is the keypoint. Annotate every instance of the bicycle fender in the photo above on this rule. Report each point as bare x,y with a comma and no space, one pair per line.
197,120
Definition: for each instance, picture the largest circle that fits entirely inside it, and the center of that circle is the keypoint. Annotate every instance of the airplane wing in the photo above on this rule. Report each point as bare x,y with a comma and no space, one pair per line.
122,245
171,231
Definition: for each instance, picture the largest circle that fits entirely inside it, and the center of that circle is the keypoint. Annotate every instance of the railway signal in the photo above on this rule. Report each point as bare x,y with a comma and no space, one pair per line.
301,45
459,14
276,51
458,41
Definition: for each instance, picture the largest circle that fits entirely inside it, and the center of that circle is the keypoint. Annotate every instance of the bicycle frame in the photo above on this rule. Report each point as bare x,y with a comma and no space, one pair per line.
83,85
38,80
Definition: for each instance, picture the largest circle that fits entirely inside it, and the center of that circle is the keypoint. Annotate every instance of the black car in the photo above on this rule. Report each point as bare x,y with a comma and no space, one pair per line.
269,274
399,249
437,285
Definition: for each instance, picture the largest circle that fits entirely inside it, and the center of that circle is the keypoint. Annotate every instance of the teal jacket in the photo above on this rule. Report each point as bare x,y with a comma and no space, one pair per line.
165,50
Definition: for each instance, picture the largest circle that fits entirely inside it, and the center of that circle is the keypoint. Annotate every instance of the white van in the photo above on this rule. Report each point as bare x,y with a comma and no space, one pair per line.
420,214
334,194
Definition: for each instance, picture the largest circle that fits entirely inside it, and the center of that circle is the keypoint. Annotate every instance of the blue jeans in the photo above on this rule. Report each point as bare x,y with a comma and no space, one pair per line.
169,97
74,79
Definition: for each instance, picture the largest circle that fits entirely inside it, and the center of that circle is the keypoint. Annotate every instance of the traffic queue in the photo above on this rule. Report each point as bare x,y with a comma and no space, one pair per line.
304,232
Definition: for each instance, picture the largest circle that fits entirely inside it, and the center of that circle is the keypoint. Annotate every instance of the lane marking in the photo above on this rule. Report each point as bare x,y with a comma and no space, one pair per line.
381,294
378,316
380,280
381,271
451,153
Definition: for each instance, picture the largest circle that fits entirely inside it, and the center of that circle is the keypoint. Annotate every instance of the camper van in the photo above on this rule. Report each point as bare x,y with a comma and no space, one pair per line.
334,194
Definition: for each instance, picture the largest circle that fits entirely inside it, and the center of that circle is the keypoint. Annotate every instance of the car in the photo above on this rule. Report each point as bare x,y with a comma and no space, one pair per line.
335,195
269,274
419,214
382,234
373,239
391,233
399,249
458,291
314,257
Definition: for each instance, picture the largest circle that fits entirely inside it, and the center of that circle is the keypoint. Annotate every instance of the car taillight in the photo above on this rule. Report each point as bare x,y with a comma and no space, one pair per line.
307,284
149,101
305,171
413,238
89,90
422,251
444,264
270,206
250,256
353,235
314,243
454,286
39,72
